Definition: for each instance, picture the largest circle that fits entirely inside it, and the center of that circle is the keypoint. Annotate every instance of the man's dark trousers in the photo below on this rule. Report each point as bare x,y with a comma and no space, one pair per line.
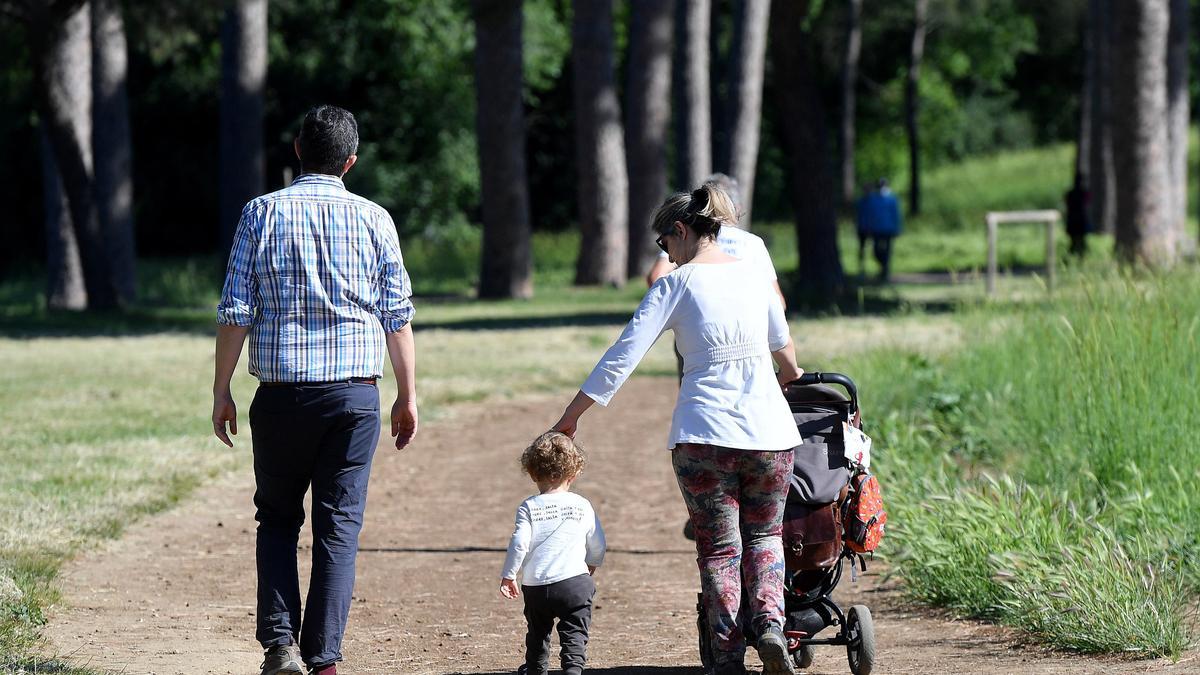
569,601
323,435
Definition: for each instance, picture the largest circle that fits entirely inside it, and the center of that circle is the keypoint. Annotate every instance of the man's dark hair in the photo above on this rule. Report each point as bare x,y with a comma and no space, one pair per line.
328,136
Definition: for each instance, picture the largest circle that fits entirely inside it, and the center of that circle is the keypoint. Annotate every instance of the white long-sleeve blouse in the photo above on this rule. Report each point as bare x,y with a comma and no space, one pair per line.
727,320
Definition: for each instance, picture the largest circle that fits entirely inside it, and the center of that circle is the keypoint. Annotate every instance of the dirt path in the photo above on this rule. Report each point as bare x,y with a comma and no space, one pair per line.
175,595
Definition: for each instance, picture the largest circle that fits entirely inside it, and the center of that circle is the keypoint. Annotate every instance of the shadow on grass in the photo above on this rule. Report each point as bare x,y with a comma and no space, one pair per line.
32,666
618,670
26,323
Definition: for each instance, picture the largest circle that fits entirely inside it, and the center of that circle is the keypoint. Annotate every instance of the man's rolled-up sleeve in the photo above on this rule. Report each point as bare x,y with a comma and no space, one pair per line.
239,295
395,295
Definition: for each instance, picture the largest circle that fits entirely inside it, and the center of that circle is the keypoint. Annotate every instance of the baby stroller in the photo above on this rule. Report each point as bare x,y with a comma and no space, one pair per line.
813,543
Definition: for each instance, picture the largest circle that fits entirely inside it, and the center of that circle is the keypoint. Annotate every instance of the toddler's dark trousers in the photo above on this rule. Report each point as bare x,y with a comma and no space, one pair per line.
324,436
569,601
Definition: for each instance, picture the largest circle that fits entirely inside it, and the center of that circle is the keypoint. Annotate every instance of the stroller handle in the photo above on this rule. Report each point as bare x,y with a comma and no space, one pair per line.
830,378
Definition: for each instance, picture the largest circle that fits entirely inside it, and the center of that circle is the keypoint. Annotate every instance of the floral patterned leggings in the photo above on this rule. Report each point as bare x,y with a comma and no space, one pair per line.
736,498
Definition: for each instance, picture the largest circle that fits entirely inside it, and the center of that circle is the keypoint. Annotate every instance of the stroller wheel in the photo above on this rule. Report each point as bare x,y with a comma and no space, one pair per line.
804,656
860,636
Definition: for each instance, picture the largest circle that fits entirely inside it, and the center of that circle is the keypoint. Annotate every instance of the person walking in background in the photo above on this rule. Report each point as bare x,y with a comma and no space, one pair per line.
732,432
317,282
878,219
1078,224
556,546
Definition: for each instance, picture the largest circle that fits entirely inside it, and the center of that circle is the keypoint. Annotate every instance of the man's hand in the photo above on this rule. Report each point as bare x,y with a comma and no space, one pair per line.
224,410
404,422
509,589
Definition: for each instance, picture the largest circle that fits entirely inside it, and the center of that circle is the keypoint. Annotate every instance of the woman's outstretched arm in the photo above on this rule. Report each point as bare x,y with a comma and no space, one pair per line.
570,417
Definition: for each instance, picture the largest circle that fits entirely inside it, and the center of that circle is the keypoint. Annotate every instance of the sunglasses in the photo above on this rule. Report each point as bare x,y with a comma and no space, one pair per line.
662,244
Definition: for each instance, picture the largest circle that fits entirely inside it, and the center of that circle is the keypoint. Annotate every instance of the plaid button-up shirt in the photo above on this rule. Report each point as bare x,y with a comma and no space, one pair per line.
317,274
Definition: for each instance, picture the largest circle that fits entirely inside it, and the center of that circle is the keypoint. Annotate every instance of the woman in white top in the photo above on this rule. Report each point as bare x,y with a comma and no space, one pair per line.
732,431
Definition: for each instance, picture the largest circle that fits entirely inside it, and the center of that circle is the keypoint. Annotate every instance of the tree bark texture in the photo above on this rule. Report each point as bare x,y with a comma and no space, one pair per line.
62,48
600,149
507,265
64,283
1083,133
113,147
1145,229
647,119
846,135
1101,173
912,104
693,116
810,177
747,59
1177,121
243,87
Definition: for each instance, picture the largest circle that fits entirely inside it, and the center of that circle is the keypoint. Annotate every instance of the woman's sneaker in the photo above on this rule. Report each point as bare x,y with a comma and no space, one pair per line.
773,651
283,660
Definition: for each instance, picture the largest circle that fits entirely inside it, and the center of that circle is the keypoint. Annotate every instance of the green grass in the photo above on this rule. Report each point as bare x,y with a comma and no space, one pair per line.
1043,477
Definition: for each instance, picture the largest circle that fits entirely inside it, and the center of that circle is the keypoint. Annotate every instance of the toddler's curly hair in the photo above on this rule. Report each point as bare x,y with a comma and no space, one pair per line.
552,458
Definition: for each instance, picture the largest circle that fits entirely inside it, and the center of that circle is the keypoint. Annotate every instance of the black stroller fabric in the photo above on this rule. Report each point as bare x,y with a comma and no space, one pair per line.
820,470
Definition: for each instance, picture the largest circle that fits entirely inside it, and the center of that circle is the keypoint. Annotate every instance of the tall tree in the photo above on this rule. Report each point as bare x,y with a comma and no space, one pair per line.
243,87
1083,133
60,34
1101,173
113,148
64,283
693,118
1177,120
507,265
647,117
846,135
1145,227
801,119
912,103
600,152
747,55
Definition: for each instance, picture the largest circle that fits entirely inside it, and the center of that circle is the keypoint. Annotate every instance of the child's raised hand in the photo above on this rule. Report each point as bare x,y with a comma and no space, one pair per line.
509,589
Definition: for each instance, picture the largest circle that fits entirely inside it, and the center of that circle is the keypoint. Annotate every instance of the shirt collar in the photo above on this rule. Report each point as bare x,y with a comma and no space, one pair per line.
321,178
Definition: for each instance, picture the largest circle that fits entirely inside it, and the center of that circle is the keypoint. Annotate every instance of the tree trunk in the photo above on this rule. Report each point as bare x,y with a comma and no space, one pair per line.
243,85
912,99
110,138
62,48
1083,133
1145,227
849,100
802,122
647,117
1177,122
600,150
1101,173
507,265
747,56
693,122
64,287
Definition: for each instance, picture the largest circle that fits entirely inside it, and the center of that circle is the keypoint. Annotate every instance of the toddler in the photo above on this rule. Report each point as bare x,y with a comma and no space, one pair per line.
556,546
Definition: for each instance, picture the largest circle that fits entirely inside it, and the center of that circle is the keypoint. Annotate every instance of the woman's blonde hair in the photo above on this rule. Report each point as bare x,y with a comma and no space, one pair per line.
704,210
553,458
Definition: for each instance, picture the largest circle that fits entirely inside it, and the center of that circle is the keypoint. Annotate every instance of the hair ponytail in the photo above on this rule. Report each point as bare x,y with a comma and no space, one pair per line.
704,210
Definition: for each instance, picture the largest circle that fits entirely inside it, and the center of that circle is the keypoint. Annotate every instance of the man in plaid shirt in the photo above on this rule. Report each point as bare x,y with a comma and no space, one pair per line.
317,282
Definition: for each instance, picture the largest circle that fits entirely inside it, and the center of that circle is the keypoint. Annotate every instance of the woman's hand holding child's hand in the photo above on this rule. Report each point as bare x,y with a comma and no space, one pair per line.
509,589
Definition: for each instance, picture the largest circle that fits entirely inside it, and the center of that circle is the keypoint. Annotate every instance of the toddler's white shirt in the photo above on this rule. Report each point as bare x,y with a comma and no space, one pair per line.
556,537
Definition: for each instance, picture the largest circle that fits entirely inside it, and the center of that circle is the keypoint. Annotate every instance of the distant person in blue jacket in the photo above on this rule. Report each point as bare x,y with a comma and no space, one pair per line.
878,220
